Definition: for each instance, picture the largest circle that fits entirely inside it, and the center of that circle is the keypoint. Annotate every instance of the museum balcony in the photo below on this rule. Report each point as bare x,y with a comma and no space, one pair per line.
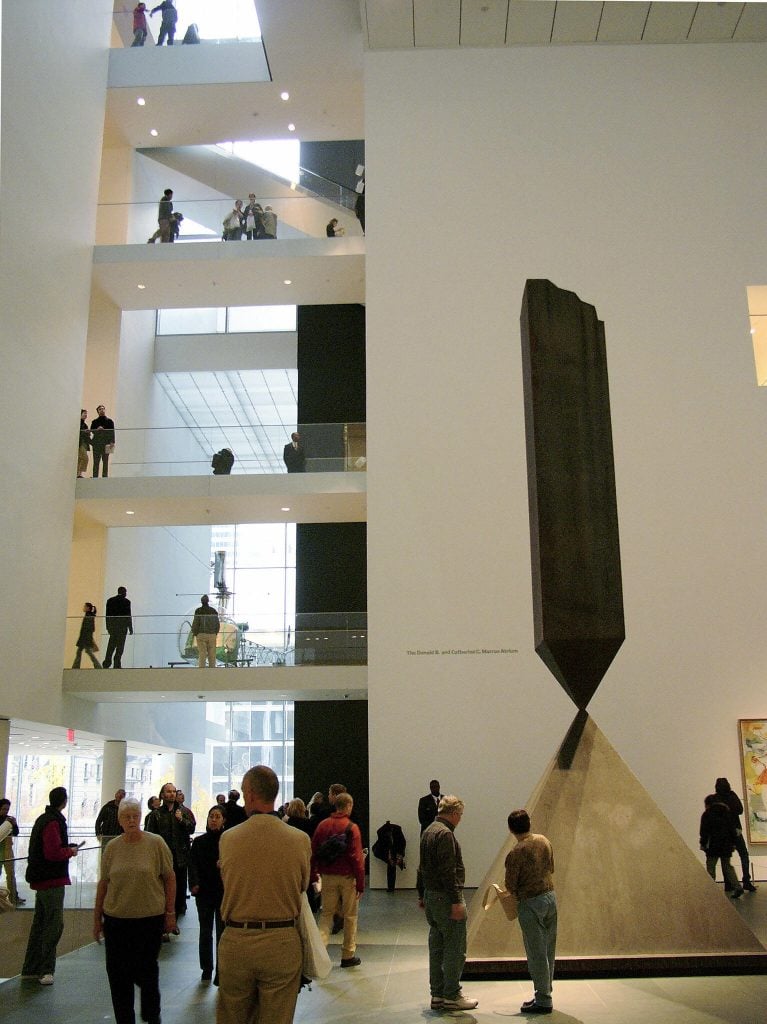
323,656
163,476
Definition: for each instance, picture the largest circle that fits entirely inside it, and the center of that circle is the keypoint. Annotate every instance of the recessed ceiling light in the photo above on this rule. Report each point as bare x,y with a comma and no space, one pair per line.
285,96
141,101
141,286
154,132
291,127
287,281
285,508
129,512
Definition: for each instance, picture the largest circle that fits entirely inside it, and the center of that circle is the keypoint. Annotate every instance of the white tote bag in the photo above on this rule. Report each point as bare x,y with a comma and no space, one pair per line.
317,965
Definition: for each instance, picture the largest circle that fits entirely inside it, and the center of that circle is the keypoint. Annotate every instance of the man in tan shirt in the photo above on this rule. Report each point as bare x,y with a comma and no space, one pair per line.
265,869
529,870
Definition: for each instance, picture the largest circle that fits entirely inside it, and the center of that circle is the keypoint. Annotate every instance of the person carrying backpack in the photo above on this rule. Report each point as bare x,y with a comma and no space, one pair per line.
337,861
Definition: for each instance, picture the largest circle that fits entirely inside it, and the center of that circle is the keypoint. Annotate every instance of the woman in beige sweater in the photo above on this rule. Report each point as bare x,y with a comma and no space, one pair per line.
134,906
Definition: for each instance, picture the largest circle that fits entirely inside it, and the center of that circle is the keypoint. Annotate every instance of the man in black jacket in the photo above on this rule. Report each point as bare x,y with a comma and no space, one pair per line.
175,827
293,454
728,796
107,826
102,441
119,623
427,805
47,873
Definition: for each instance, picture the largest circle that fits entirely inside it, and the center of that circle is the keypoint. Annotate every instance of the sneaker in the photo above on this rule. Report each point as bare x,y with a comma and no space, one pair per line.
351,961
47,979
532,1007
460,1003
437,1003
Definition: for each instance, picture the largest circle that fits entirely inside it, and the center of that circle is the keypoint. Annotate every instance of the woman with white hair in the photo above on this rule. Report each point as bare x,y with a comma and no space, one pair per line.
134,906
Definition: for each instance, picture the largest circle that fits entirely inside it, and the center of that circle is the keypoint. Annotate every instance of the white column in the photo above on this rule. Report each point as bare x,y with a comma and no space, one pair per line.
113,768
5,742
183,779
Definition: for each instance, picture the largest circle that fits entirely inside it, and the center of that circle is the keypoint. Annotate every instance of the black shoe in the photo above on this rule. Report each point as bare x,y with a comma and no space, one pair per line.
749,887
736,894
532,1007
206,977
351,961
106,664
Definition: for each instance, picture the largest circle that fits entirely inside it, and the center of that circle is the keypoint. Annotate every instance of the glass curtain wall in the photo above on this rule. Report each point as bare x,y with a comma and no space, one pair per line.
258,732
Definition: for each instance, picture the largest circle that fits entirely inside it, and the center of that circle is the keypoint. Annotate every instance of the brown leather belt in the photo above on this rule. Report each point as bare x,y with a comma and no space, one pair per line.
259,924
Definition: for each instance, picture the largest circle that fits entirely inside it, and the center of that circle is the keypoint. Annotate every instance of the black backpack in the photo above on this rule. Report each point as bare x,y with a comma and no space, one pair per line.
334,847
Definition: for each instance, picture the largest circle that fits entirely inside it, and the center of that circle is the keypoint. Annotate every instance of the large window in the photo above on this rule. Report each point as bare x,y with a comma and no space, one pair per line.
226,320
257,733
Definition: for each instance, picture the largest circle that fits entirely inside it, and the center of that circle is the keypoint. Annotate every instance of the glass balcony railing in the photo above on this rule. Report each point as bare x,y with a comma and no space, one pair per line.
224,450
166,641
297,215
83,871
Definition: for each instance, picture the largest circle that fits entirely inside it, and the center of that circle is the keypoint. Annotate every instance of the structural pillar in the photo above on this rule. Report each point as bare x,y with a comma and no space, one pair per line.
113,769
183,776
5,744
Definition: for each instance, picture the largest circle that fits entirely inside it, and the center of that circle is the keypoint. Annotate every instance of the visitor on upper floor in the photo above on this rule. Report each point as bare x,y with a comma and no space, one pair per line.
86,641
102,441
293,454
83,444
168,23
359,210
270,223
234,223
164,212
175,225
140,28
254,219
222,462
333,229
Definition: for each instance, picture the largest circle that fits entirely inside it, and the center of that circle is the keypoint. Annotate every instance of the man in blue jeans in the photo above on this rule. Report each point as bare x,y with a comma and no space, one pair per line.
441,877
529,870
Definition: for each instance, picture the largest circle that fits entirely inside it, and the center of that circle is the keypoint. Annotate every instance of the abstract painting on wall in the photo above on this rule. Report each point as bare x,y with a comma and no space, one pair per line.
753,762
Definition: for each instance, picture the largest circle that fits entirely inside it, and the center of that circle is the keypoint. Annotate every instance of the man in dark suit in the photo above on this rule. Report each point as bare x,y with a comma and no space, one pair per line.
293,455
102,441
119,623
427,805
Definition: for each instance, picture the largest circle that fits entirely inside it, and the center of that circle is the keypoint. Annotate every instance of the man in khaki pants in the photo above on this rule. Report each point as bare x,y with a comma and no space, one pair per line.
264,865
337,859
205,627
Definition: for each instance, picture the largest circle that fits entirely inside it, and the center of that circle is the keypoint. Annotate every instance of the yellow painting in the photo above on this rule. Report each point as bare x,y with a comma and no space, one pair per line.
753,761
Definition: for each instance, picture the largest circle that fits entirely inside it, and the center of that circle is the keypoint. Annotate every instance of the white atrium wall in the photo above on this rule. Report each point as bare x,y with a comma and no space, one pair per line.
633,176
53,96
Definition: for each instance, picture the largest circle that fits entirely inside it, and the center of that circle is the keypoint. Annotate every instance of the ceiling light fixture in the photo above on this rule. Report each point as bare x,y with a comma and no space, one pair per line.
154,132
285,508
291,127
141,287
287,281
129,512
285,96
141,101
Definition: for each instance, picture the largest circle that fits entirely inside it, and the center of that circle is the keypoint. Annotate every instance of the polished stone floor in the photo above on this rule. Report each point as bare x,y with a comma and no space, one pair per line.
391,985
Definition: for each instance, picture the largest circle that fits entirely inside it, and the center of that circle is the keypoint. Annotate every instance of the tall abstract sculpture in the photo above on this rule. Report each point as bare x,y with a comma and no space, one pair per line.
576,560
633,898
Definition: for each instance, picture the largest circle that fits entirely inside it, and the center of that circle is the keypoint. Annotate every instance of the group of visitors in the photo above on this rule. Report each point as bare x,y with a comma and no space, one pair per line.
252,222
168,22
721,835
99,438
119,623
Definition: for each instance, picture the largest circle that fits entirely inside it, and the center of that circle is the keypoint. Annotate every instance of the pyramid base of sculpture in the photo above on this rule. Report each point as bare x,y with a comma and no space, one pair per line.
633,898
702,965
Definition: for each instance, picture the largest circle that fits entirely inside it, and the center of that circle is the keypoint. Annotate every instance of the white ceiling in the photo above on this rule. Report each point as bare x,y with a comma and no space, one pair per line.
197,275
446,24
208,500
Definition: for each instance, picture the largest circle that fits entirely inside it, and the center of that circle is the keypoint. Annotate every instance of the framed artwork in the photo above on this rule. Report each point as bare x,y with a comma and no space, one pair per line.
753,762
